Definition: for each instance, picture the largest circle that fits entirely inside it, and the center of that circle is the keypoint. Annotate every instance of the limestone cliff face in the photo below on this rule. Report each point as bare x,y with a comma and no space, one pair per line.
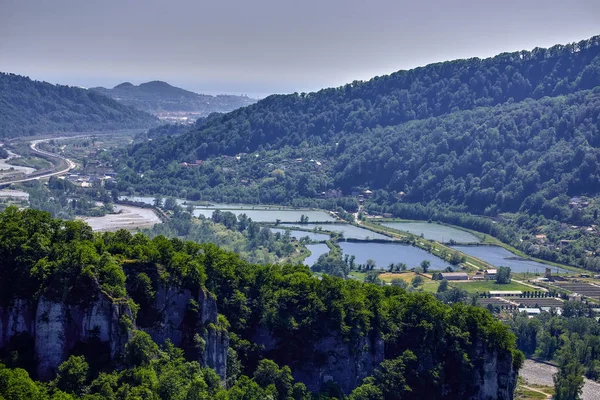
332,359
345,364
18,317
190,322
498,377
57,327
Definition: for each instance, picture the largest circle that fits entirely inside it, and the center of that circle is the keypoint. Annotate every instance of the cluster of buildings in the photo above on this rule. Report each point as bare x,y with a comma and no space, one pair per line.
92,179
489,274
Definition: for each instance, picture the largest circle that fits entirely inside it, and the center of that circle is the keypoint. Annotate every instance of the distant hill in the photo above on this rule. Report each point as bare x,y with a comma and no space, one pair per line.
157,96
29,107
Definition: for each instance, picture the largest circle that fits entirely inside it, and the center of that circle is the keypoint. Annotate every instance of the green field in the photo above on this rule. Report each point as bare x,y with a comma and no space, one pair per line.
359,276
429,285
486,286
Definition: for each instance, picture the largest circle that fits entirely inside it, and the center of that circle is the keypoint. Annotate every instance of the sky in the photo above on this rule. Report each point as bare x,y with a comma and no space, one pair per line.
259,47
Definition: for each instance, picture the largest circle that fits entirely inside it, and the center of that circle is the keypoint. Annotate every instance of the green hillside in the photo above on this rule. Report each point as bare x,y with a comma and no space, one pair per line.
477,134
30,107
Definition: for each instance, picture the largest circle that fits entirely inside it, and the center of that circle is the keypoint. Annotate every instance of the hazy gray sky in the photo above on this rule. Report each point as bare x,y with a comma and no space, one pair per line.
270,46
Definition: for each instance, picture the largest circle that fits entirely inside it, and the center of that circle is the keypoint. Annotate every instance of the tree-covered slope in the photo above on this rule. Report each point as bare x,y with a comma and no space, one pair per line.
29,107
313,328
515,132
158,96
419,93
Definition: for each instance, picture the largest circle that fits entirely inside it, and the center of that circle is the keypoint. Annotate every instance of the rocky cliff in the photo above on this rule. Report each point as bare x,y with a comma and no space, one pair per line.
190,322
498,377
330,359
56,328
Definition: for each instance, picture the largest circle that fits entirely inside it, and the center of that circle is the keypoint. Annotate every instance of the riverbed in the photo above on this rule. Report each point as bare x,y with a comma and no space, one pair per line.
537,373
125,217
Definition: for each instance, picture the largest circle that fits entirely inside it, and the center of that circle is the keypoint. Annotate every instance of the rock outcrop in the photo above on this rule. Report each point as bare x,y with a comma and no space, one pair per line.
345,364
498,377
190,322
331,359
56,328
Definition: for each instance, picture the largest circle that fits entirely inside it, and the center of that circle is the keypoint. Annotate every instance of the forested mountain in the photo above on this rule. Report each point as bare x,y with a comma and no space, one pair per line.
158,96
75,305
30,107
516,131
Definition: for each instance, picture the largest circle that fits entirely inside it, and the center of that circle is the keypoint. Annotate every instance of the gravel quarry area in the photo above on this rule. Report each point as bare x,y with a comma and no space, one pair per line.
125,217
541,374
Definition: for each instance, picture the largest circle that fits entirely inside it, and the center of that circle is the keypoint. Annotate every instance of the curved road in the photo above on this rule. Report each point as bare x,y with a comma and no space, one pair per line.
32,146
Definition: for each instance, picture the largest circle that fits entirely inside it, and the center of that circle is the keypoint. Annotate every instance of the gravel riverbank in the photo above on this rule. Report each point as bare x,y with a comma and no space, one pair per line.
541,374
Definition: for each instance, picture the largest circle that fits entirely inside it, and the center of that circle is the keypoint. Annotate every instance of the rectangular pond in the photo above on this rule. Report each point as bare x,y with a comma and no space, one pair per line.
349,231
385,253
316,237
500,257
230,206
284,215
148,199
258,213
210,205
433,231
316,250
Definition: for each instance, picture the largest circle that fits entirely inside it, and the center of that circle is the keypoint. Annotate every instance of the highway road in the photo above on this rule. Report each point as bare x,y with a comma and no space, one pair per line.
33,146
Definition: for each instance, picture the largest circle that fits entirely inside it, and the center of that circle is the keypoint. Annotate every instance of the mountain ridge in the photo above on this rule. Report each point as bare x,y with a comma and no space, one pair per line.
159,96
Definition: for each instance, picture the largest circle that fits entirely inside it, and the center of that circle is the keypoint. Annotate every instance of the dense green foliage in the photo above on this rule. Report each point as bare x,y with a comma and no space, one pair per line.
420,93
65,261
159,374
31,107
568,382
157,96
527,156
503,275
